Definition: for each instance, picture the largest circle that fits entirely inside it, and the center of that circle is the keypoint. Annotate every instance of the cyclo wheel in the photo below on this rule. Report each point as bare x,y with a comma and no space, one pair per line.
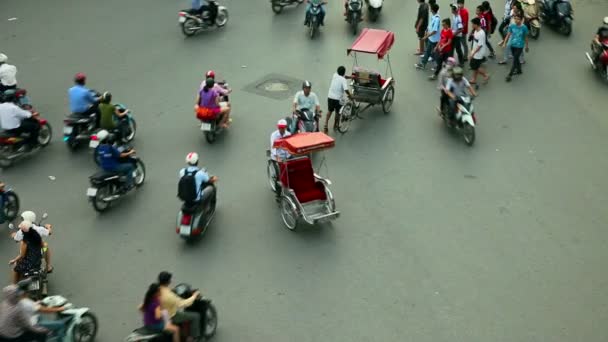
272,172
387,99
289,213
345,117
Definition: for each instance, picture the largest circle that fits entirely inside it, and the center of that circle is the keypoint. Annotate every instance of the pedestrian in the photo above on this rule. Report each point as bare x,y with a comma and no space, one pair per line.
445,47
335,98
516,9
516,39
490,25
431,36
464,15
478,52
422,22
457,30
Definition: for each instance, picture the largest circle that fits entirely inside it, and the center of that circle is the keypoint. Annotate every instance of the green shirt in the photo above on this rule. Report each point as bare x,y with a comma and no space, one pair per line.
107,115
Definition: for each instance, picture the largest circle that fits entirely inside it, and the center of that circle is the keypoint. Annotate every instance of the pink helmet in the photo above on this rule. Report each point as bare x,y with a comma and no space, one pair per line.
451,61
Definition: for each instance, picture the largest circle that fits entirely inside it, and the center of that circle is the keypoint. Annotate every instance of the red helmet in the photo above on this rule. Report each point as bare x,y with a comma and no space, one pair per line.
79,77
210,74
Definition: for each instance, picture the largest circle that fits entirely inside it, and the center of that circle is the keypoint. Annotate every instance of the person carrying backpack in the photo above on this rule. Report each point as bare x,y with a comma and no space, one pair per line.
491,23
192,179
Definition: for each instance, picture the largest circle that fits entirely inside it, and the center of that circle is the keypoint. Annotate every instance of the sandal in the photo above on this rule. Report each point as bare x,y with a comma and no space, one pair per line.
50,270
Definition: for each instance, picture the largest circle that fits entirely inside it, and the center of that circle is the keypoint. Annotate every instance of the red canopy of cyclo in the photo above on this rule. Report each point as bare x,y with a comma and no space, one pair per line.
304,143
374,41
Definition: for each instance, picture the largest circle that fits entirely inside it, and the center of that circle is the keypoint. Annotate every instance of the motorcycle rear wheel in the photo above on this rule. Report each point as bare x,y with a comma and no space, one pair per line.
210,136
11,206
98,203
189,27
276,8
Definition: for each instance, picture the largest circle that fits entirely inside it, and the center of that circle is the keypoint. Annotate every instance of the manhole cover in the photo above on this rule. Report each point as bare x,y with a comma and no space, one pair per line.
274,86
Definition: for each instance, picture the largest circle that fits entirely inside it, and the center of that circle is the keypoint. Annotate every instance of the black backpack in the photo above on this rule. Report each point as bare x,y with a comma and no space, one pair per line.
494,23
186,188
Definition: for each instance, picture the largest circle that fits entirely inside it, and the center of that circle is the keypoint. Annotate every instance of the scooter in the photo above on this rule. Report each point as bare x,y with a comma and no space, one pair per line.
81,323
38,286
192,23
193,219
374,7
313,18
203,306
277,5
531,19
599,64
354,13
560,17
303,120
13,147
463,120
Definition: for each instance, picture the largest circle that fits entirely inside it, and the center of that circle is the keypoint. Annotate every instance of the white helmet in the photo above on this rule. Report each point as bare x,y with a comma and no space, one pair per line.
605,23
3,58
28,216
102,135
192,158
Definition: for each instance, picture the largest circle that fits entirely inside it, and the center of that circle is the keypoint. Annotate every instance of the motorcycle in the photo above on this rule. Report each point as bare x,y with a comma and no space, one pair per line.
463,120
203,306
313,18
81,323
599,64
192,23
277,5
303,120
116,135
194,218
10,204
354,13
531,19
560,18
38,286
374,7
108,186
212,128
78,128
13,146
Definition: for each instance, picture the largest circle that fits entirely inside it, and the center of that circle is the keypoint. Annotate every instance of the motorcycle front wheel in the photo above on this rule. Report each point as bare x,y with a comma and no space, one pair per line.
210,321
222,18
86,329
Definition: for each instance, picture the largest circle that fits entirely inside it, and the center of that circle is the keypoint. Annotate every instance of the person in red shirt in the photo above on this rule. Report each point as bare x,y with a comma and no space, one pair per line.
444,47
464,15
488,16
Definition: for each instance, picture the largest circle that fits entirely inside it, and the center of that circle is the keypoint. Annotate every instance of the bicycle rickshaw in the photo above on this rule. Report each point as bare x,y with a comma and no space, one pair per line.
368,86
303,195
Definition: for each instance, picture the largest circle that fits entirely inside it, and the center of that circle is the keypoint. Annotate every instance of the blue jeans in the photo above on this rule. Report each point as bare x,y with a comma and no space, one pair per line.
58,327
428,51
127,170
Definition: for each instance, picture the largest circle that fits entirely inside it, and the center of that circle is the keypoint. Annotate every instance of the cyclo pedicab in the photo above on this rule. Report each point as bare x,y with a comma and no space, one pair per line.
368,86
302,194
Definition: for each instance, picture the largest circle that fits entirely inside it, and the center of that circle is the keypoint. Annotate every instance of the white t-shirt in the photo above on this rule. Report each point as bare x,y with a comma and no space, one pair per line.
303,101
42,231
276,151
8,74
11,115
479,40
338,87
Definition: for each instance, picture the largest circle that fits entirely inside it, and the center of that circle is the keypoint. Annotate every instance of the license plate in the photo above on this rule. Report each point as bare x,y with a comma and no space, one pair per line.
35,286
91,192
205,127
68,130
93,143
184,230
182,19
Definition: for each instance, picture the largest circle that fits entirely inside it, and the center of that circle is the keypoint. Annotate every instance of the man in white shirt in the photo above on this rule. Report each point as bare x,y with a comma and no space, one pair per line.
478,52
278,154
30,216
8,74
306,99
457,29
335,97
17,121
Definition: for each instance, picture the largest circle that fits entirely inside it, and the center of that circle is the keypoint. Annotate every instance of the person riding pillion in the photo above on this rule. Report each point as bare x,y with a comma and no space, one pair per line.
112,116
45,231
111,158
192,179
8,74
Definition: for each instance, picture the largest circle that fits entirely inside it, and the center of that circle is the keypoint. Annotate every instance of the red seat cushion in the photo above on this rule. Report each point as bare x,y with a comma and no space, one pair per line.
298,175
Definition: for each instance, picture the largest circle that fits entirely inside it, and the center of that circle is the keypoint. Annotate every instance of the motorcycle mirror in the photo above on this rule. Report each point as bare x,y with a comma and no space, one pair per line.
11,226
45,215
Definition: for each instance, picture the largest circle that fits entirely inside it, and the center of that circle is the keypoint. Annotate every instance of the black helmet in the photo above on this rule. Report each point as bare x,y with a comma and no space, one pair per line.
209,82
106,97
306,84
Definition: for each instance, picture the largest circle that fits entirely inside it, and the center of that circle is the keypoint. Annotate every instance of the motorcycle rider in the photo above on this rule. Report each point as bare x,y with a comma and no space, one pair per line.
192,179
47,230
111,158
200,6
306,99
171,302
444,75
35,309
208,104
600,36
17,121
8,74
322,14
457,87
83,102
109,112
16,321
220,89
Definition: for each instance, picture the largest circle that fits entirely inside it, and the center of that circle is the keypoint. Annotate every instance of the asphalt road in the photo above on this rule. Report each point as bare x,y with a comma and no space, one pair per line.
504,241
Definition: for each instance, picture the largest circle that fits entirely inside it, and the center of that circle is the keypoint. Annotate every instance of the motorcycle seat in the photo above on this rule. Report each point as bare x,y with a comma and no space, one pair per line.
7,134
78,118
145,331
105,175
